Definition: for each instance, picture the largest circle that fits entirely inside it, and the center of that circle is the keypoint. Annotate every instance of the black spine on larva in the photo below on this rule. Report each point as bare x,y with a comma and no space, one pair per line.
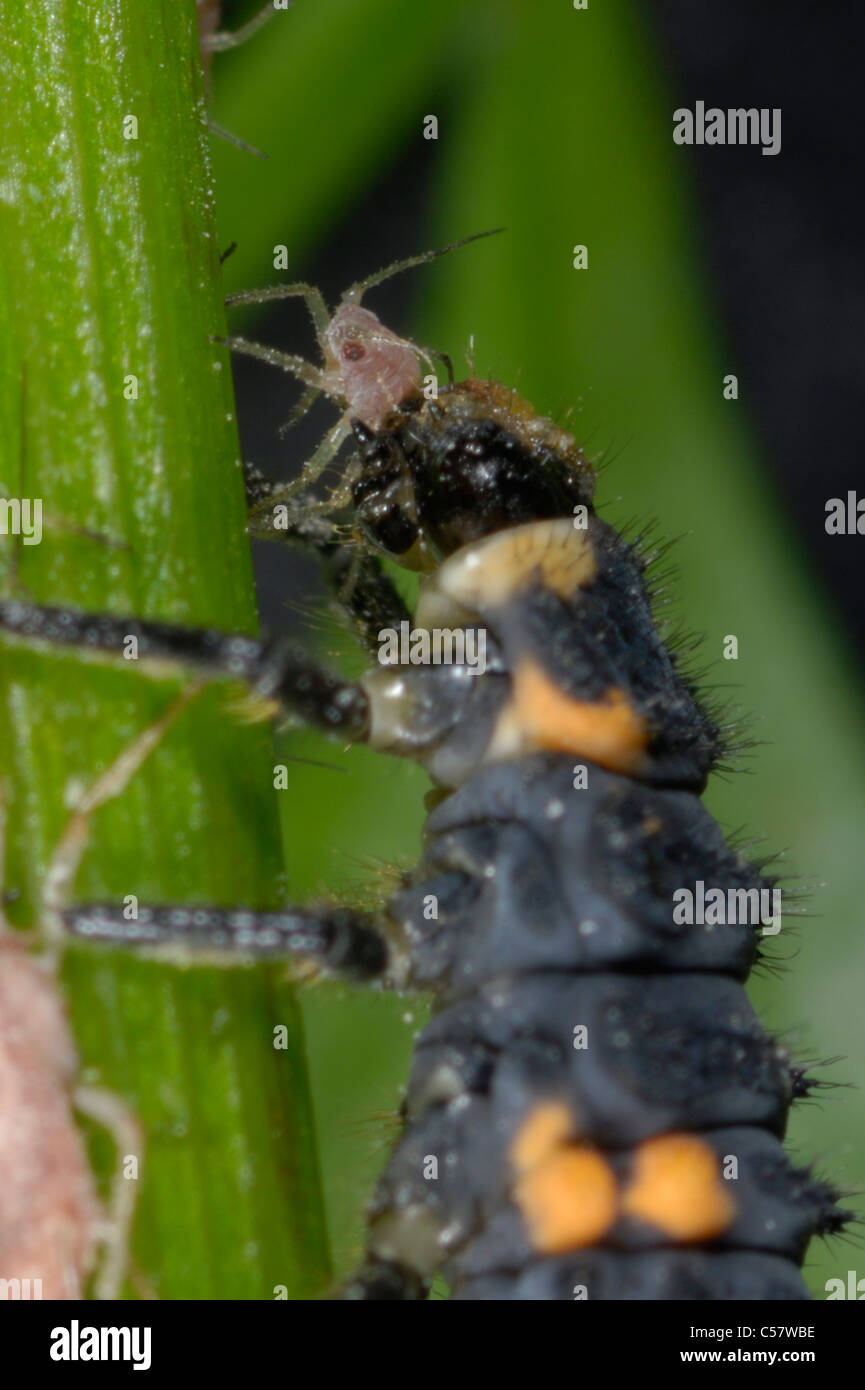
583,1031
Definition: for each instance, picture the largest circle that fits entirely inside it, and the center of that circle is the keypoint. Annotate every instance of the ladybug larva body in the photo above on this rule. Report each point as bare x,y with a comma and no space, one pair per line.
594,1111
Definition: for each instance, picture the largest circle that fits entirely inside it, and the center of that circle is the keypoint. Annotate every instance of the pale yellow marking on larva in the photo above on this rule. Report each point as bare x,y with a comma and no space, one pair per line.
489,572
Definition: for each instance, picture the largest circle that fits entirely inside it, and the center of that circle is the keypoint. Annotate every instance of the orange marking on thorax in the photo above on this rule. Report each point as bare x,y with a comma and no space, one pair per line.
540,715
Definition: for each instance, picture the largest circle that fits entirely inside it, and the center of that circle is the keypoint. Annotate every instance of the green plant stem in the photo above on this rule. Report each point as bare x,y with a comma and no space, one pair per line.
116,411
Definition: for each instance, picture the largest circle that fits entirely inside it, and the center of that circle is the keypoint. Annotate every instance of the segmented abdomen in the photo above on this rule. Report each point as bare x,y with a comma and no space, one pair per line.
595,1110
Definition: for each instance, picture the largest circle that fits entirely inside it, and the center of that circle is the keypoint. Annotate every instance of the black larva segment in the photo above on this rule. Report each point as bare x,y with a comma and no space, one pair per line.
686,1275
661,1053
603,637
530,873
467,1214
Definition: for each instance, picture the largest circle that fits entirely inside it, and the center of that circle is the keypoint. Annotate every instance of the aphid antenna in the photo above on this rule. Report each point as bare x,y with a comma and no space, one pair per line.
315,301
355,292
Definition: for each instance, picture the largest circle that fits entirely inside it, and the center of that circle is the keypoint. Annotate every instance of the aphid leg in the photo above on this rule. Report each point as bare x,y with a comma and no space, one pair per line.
231,139
261,517
213,40
318,310
288,362
320,316
222,39
108,1111
307,399
69,849
263,495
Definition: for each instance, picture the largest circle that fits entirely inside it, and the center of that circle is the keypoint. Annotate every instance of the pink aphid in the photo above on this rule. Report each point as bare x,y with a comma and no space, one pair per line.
368,370
367,366
49,1211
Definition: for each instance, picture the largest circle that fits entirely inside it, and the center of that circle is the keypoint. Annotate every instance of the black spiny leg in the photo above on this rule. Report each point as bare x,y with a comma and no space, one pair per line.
332,938
369,597
336,939
275,671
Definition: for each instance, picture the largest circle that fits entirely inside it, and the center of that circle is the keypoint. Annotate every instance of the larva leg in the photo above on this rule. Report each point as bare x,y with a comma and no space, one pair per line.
279,674
368,596
338,940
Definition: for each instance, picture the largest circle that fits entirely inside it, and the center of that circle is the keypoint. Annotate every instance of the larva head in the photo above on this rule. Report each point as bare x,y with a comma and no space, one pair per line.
367,366
474,460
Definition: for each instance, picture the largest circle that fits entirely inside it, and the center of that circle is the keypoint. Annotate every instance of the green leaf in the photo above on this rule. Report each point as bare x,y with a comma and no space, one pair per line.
110,272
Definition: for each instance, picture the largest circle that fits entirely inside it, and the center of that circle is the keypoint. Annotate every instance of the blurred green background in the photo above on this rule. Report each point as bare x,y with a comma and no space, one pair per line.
555,124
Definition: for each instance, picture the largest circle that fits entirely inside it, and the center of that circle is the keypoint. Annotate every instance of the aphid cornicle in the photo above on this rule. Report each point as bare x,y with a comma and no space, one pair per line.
595,1109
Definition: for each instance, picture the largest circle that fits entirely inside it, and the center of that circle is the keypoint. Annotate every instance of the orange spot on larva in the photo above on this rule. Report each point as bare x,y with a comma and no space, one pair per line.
677,1186
548,1126
567,1201
540,715
565,1191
